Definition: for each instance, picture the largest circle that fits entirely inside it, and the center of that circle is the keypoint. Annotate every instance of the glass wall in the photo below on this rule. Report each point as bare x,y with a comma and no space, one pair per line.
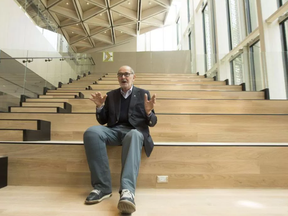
209,35
251,15
28,75
234,23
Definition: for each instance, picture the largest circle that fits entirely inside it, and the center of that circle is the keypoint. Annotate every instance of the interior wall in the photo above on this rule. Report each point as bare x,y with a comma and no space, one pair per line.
145,62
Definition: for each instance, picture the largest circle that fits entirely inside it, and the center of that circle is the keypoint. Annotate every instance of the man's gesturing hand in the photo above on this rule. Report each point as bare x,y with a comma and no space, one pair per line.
149,105
98,99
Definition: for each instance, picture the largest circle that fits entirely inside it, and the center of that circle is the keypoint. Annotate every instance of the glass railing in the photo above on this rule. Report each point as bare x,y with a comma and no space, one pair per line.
28,74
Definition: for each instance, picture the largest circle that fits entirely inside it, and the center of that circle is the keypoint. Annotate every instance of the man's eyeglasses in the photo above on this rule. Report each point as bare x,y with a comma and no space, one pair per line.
126,74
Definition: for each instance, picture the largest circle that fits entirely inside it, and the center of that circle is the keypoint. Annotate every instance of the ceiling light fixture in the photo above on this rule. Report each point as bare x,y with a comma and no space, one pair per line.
129,2
67,3
100,14
150,2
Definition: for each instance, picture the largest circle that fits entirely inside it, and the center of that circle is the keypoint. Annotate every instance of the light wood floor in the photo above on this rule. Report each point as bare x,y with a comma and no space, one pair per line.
64,201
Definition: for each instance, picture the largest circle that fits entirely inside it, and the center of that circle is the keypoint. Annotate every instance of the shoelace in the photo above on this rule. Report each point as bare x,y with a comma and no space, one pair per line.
127,194
96,191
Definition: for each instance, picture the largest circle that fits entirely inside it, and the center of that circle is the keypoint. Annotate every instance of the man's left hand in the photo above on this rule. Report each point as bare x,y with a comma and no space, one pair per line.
149,104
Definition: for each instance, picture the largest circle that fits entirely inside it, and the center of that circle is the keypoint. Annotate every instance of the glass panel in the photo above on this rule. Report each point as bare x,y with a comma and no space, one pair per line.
284,32
237,70
234,23
253,17
209,39
157,42
169,38
12,77
256,67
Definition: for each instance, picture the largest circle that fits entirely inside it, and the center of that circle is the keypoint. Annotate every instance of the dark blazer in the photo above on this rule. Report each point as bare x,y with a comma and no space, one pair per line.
137,116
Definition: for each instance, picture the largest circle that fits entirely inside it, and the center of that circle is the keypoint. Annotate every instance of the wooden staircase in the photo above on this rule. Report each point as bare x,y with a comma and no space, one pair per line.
209,134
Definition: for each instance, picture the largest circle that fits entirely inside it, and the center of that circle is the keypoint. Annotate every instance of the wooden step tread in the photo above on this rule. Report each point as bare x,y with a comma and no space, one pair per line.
178,128
196,106
197,94
164,82
173,87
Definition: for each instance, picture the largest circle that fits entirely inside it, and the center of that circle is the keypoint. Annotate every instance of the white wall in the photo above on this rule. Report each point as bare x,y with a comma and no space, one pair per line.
145,62
273,52
20,38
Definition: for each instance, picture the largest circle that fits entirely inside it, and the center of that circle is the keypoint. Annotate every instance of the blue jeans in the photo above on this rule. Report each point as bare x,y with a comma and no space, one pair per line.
95,140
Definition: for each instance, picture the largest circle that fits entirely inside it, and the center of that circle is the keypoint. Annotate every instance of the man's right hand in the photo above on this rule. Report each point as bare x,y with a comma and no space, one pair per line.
98,99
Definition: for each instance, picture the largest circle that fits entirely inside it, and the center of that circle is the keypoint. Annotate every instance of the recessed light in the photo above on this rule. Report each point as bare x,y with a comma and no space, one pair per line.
150,2
67,3
129,2
72,32
100,14
87,3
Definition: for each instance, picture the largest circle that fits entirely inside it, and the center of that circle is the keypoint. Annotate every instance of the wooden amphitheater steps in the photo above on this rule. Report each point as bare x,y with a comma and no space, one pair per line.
182,151
161,82
191,94
195,166
177,127
24,130
185,106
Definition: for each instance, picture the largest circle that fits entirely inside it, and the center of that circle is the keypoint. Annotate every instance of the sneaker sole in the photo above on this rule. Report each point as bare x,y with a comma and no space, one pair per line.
126,207
99,200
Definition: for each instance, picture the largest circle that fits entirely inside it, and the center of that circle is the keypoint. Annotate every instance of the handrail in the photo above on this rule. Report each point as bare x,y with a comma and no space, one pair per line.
30,59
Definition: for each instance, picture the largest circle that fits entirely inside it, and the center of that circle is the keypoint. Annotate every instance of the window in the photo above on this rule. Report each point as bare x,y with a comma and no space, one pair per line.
234,25
237,70
162,39
242,20
251,15
284,34
281,2
209,36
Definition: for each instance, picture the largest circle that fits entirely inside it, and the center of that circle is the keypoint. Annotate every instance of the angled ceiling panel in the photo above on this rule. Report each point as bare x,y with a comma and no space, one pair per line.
94,25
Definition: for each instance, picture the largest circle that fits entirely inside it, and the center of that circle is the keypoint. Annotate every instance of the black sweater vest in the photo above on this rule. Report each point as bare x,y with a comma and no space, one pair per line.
123,118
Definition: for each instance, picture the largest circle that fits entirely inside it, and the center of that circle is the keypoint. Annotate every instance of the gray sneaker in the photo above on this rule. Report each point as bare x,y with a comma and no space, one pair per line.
126,203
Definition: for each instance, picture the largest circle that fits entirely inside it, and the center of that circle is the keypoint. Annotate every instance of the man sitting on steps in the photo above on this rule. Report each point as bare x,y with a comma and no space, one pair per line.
127,111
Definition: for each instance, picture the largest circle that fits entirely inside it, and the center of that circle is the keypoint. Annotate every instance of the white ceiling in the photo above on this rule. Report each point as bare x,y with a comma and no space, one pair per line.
92,25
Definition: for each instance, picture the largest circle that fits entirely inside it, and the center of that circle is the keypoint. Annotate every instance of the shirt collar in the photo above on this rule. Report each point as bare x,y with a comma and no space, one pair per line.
128,93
